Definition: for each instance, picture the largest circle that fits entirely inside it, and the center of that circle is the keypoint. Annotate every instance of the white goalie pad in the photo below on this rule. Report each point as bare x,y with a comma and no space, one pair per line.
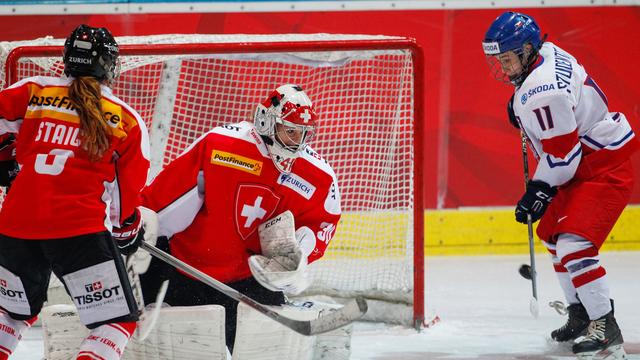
62,331
197,333
194,332
282,265
260,338
56,293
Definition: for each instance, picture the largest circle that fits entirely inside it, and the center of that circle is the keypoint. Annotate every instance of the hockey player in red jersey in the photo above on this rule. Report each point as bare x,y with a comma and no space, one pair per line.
583,179
84,157
211,200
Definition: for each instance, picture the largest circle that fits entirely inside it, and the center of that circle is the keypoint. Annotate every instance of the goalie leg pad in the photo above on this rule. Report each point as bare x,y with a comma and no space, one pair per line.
258,337
193,332
63,331
333,345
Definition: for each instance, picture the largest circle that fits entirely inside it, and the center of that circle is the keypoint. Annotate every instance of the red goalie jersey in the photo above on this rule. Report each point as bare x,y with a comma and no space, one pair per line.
212,198
67,194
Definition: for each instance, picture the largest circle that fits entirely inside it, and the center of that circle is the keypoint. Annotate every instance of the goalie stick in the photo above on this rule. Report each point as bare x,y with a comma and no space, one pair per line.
148,316
350,312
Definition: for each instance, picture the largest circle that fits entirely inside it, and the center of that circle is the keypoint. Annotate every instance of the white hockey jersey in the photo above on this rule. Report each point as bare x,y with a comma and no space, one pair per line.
565,116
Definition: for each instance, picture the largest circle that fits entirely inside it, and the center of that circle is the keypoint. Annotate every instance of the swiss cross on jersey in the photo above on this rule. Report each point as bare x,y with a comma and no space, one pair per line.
254,205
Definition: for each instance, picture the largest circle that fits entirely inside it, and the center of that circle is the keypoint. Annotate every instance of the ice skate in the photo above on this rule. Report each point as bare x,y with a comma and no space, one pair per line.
576,324
603,341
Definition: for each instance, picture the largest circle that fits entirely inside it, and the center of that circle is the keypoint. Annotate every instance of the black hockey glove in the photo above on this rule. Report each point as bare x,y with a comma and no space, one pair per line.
512,115
534,201
129,236
8,165
8,172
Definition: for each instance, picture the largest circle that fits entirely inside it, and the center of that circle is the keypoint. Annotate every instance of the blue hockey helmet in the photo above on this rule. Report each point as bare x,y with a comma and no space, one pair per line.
512,31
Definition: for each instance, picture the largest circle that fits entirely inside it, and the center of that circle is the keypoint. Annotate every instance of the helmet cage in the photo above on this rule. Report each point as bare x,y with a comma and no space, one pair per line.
286,120
518,71
300,136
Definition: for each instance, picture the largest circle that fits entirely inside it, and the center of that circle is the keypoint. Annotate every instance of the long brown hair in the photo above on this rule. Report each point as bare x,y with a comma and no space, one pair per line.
85,95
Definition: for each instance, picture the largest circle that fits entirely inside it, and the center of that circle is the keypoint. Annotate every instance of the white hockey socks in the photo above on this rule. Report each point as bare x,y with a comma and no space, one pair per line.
11,333
106,341
564,278
588,277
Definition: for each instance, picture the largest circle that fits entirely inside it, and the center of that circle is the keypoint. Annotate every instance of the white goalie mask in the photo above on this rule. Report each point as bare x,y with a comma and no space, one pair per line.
286,120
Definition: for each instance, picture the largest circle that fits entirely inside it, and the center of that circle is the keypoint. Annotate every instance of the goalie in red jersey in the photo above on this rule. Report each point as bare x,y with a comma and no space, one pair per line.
84,157
212,199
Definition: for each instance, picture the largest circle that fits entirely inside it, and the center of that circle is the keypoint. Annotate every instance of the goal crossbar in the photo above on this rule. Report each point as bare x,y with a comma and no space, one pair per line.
373,44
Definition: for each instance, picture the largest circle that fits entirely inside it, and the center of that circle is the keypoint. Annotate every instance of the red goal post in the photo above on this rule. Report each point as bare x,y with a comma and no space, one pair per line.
368,91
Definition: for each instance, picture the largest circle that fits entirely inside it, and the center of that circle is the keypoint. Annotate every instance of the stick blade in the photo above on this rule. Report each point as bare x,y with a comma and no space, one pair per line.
534,308
350,312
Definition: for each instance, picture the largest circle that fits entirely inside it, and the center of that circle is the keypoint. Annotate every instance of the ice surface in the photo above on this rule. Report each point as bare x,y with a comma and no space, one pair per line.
483,304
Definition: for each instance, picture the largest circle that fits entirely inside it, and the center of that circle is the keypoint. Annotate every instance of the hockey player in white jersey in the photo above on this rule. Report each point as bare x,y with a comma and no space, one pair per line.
583,179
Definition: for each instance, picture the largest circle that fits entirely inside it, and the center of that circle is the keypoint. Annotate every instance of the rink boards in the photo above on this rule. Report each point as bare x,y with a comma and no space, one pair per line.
473,231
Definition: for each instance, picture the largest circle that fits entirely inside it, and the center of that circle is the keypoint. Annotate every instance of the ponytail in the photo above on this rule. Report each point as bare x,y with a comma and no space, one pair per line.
85,95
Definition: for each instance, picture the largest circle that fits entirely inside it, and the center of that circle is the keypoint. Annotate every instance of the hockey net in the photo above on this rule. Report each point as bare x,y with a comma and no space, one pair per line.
367,90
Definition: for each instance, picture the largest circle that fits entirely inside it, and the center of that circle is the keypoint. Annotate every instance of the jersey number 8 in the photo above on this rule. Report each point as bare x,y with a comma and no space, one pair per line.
55,167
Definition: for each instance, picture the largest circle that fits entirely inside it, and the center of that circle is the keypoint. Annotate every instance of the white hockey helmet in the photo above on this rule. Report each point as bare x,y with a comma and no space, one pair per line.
286,121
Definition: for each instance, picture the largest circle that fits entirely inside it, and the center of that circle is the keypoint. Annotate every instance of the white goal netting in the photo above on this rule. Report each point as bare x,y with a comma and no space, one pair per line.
364,92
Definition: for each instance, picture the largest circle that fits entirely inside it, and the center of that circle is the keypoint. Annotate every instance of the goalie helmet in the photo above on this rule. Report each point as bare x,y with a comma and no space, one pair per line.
286,122
512,31
90,51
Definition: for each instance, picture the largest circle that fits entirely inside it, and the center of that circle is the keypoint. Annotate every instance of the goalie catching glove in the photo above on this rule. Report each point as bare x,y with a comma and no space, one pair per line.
282,265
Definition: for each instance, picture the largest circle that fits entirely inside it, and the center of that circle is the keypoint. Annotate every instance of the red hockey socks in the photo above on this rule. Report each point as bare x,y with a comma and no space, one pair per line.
106,341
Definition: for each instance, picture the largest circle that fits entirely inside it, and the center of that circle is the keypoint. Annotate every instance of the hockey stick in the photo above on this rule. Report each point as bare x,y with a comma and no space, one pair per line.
148,317
324,323
533,304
